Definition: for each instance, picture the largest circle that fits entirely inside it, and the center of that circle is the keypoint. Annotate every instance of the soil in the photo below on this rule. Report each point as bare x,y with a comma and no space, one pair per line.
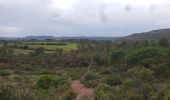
82,92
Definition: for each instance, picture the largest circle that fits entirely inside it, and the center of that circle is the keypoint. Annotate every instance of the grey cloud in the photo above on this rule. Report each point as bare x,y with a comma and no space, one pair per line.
84,18
152,7
128,8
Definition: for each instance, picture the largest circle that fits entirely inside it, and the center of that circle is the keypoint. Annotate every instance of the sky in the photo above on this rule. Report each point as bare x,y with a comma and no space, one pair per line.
110,18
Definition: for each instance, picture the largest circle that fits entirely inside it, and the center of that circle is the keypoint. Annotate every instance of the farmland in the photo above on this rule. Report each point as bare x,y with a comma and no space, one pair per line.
50,47
67,47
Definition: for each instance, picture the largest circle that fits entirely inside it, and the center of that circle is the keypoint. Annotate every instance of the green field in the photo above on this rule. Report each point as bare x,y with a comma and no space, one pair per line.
69,46
22,51
34,45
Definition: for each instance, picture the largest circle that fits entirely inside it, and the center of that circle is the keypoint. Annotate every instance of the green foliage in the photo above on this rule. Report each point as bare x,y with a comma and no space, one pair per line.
69,95
23,67
104,92
117,56
105,72
45,82
153,54
113,80
39,51
142,73
22,89
130,84
4,51
164,42
125,71
90,79
6,92
164,94
134,96
162,70
91,76
90,84
4,73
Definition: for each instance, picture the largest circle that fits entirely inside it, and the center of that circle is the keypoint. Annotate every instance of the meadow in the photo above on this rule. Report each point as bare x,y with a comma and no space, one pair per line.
67,47
50,47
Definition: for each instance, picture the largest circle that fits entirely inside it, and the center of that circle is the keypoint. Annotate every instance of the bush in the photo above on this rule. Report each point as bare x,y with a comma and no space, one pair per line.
130,84
150,53
163,94
141,73
117,56
162,70
134,96
6,92
90,76
112,80
45,82
90,79
4,73
105,72
104,92
70,95
90,84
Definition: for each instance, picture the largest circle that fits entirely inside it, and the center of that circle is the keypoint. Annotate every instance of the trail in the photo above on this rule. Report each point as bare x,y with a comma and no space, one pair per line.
82,91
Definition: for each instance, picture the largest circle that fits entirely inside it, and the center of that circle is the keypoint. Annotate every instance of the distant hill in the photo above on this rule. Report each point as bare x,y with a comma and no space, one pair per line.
58,38
67,38
8,38
152,35
38,37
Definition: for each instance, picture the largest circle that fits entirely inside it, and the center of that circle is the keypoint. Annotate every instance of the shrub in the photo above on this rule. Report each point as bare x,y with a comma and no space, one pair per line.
117,56
141,73
45,82
6,92
113,80
90,76
4,73
164,94
150,53
90,84
129,84
134,96
105,71
104,92
70,95
162,70
90,79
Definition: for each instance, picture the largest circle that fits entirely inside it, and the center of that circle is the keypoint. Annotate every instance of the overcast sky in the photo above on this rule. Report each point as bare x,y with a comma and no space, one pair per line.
82,17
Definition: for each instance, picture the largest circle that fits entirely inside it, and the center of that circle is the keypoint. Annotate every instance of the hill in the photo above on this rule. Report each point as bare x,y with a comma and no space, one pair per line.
58,38
151,35
8,38
38,37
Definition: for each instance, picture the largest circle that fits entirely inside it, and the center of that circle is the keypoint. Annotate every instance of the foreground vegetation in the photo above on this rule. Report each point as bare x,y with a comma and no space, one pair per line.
127,70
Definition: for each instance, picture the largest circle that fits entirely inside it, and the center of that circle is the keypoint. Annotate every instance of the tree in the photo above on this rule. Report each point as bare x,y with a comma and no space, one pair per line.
164,42
117,56
39,51
146,56
45,82
141,73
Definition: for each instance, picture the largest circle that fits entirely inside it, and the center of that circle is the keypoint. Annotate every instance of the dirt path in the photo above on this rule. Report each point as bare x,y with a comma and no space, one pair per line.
82,91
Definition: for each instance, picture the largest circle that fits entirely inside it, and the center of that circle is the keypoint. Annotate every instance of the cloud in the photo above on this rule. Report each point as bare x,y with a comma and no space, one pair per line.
128,8
7,31
82,17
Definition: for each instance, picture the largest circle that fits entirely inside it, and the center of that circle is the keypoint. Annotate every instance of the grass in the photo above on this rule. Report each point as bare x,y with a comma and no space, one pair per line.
22,51
69,46
49,48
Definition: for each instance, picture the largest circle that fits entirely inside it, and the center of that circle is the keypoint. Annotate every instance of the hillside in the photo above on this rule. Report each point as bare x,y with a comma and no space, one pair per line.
152,35
58,38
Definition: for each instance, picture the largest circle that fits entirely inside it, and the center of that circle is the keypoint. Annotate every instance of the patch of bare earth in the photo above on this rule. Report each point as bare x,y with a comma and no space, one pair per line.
82,92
